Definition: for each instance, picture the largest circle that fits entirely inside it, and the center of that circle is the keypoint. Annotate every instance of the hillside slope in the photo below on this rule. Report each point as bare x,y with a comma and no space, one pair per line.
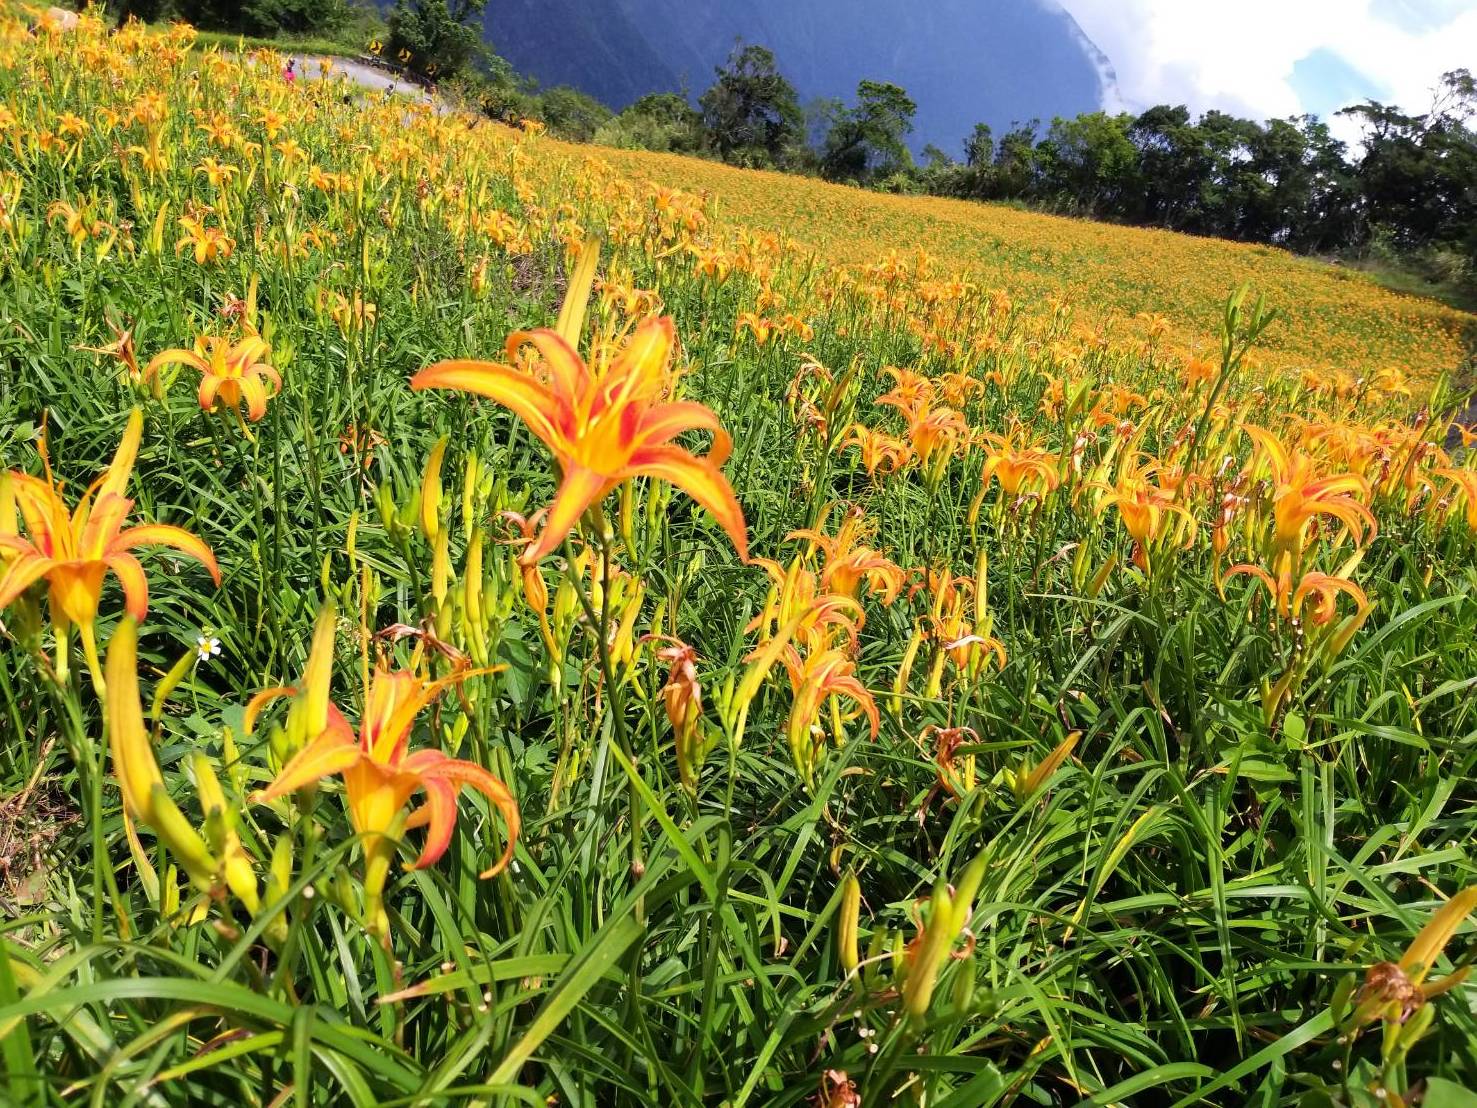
1333,318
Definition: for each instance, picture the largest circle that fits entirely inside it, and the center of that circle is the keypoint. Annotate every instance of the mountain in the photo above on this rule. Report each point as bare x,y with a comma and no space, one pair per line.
963,61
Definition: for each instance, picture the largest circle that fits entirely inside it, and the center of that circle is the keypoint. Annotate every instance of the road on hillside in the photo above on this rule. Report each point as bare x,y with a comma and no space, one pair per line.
365,76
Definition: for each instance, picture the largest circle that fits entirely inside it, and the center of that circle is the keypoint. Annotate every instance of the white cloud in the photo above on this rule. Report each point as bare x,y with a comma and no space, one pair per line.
1241,57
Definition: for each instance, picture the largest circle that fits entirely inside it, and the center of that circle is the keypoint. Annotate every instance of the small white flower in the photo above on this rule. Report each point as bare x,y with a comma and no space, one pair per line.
207,647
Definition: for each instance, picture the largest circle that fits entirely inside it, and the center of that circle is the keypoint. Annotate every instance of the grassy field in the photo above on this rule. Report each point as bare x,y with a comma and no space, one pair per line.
489,623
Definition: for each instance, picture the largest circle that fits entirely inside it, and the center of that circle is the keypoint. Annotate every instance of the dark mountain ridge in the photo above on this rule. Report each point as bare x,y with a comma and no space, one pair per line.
963,61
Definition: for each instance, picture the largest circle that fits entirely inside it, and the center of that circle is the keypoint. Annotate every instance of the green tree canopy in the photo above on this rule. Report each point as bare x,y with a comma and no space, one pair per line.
751,112
439,37
867,141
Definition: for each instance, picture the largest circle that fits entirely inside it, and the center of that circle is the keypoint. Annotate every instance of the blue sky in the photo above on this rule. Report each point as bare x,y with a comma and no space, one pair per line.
1266,58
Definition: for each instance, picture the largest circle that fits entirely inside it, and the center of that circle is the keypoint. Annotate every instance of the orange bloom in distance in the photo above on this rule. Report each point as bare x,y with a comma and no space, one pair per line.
229,372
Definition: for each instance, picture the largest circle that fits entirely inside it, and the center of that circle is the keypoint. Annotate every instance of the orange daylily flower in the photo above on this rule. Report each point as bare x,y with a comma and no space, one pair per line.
758,326
380,773
964,641
123,350
1324,587
1020,469
797,602
849,560
880,451
1144,508
932,430
74,551
603,428
956,772
232,373
1464,485
821,676
1023,471
1298,496
682,697
208,243
911,391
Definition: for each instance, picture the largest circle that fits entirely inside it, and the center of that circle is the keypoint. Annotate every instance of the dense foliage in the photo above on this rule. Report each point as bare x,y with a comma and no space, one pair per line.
1287,181
883,684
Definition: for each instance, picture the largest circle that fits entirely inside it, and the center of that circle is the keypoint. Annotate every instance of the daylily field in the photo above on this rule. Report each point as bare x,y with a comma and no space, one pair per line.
490,621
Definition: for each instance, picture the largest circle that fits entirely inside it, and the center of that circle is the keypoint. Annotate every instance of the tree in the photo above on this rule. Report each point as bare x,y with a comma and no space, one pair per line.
1014,174
867,141
1172,163
979,147
751,113
1087,162
437,37
1418,176
661,121
572,114
250,17
298,17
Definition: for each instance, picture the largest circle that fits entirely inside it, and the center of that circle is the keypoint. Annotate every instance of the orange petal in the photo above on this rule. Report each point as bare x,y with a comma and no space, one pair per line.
116,479
570,374
162,534
209,386
176,357
255,395
1272,447
580,489
434,764
519,393
702,481
647,353
666,421
1427,946
103,521
135,584
334,751
438,813
255,705
21,574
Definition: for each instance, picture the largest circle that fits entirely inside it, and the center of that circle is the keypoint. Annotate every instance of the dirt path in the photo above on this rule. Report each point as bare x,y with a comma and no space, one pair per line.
366,76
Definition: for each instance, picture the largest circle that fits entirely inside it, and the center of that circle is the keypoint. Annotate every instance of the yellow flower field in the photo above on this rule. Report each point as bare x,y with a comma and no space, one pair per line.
1338,318
488,621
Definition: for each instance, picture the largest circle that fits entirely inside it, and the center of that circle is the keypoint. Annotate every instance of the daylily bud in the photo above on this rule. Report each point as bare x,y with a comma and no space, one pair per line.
905,670
169,683
964,982
949,914
440,565
430,498
318,674
231,756
846,923
183,841
384,499
469,491
472,599
1030,781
